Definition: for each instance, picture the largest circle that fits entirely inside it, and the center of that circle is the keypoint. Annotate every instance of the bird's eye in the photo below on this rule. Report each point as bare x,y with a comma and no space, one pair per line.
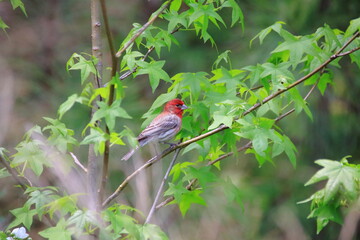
178,105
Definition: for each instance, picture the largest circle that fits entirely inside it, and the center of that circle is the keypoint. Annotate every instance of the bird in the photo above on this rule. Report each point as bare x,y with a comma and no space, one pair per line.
164,127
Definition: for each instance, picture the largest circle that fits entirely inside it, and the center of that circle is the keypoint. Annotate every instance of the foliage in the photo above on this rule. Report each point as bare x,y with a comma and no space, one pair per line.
233,105
15,4
341,190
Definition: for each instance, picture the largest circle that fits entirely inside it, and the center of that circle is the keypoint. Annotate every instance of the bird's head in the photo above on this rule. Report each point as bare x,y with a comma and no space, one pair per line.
175,106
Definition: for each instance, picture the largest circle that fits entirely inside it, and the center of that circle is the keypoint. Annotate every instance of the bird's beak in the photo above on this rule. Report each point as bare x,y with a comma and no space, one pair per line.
184,107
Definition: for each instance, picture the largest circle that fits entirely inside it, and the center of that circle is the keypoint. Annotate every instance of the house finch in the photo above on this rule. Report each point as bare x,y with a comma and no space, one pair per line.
164,127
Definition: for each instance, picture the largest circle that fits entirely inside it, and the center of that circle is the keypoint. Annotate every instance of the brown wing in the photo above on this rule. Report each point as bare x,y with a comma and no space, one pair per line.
162,128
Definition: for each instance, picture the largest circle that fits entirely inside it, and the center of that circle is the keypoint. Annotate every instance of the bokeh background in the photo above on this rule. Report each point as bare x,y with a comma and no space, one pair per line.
34,82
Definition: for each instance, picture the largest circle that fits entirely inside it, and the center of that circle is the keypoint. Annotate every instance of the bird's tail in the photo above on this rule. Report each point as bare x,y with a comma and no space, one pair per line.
129,154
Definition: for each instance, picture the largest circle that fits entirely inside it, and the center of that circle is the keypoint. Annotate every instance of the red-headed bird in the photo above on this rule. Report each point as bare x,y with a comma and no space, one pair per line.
164,127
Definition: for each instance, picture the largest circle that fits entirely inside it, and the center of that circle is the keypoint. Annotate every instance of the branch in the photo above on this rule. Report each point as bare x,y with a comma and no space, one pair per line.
142,29
109,36
114,64
92,169
152,210
14,174
77,162
348,52
136,172
223,127
240,149
351,221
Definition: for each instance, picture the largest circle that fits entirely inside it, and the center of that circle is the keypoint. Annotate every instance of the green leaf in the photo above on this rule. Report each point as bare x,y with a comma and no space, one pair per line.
331,38
67,105
40,199
232,192
203,175
254,73
189,198
60,137
263,33
175,19
81,218
298,46
195,83
78,62
175,5
280,75
179,168
260,142
3,235
236,14
325,79
219,119
200,14
324,214
184,197
23,215
155,72
338,175
4,173
162,39
98,137
290,150
121,223
300,103
153,232
3,25
222,57
59,232
64,205
130,60
30,154
353,27
109,113
18,4
176,190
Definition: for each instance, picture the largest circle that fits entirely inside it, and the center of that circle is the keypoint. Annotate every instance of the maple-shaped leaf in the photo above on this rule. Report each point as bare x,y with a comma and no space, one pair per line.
339,175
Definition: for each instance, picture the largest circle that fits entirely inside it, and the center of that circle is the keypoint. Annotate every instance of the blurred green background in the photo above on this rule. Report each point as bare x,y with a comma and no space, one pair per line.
34,82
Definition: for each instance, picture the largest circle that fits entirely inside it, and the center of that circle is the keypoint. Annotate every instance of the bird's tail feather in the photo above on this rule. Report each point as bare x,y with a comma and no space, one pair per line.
129,154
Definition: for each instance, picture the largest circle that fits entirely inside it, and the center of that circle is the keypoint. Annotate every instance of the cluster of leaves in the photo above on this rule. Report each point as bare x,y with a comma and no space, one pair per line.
221,97
341,191
15,4
48,202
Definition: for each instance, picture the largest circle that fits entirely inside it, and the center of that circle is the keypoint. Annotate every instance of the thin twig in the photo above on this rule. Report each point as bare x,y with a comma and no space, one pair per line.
14,174
77,162
152,209
223,127
348,52
142,29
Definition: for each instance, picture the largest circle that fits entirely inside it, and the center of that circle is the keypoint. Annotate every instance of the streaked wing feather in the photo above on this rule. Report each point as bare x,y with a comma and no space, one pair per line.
160,125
